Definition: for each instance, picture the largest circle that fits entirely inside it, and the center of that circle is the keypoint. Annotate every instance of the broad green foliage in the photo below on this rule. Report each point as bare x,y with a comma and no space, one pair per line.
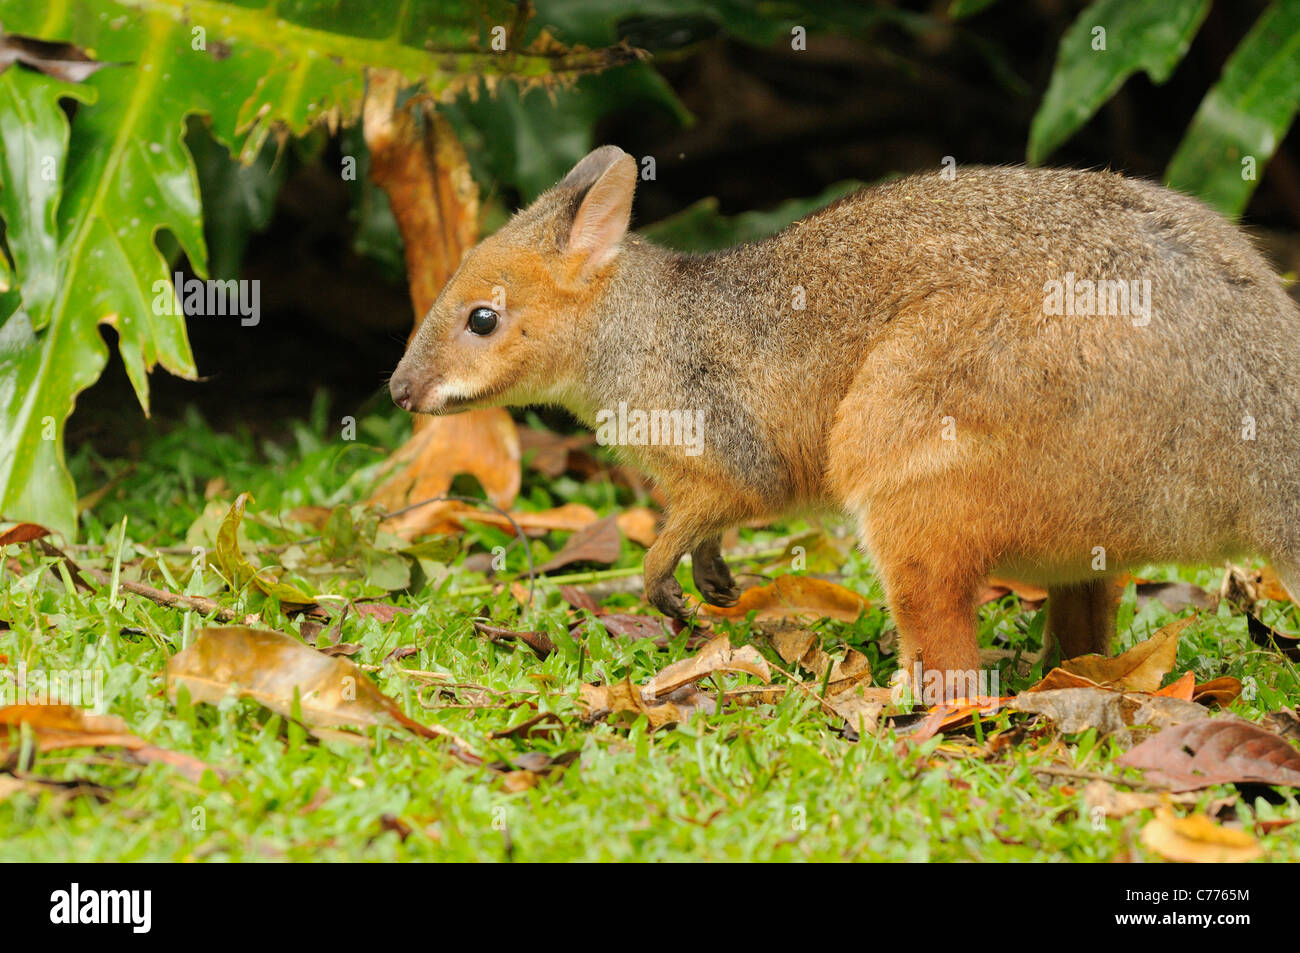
1109,42
83,213
1244,116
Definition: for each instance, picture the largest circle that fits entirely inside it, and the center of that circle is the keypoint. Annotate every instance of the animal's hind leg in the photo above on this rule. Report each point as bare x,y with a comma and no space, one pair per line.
1081,617
931,575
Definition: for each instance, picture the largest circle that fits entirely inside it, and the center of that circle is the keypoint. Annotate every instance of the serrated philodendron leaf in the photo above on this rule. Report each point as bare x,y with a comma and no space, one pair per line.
1245,116
83,208
1109,42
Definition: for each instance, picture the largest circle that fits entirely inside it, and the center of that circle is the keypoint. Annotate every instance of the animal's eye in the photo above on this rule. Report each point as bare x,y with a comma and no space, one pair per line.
483,321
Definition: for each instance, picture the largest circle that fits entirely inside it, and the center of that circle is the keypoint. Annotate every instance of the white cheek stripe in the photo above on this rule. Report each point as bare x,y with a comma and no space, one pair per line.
452,390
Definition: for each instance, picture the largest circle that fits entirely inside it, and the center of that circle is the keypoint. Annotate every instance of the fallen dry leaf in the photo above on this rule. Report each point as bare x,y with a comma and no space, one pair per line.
995,588
1174,596
861,707
638,524
383,611
1197,839
672,696
567,518
62,726
1078,709
791,597
1104,797
802,647
539,642
275,669
1216,751
23,533
601,542
1183,688
1266,636
548,452
1142,668
1222,691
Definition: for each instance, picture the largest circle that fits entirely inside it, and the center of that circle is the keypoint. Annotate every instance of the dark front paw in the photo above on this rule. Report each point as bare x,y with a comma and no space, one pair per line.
666,596
715,582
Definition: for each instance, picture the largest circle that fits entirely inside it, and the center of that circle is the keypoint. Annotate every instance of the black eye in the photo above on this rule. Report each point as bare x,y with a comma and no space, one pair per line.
483,321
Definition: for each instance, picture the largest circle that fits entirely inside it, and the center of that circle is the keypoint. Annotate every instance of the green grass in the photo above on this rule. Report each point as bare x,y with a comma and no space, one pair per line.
774,782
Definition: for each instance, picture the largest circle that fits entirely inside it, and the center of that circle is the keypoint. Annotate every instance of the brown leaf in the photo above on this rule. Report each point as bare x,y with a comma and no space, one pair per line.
481,443
567,518
271,668
1181,688
1197,839
719,655
62,726
548,722
672,696
1174,596
624,701
1266,636
539,642
802,647
1078,709
61,61
660,630
579,599
792,596
23,532
1142,667
1216,751
1102,796
861,707
1032,596
639,525
601,542
1221,691
1060,678
382,611
548,452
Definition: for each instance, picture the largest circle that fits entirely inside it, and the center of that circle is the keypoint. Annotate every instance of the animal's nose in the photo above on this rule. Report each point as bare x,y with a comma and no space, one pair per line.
400,388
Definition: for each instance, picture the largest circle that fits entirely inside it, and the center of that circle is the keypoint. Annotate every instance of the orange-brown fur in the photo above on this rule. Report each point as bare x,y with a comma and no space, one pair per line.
923,388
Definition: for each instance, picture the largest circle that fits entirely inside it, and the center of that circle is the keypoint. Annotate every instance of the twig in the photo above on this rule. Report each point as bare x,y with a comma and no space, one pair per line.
825,705
172,600
1098,776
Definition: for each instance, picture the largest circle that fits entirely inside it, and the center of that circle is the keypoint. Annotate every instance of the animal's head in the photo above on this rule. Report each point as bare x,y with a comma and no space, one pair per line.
507,327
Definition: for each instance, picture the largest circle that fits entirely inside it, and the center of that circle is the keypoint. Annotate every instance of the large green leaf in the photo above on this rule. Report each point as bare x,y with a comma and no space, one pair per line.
1246,114
1147,35
37,377
128,175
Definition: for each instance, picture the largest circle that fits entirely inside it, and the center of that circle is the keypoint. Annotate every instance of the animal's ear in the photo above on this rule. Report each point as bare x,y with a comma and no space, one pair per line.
605,209
589,168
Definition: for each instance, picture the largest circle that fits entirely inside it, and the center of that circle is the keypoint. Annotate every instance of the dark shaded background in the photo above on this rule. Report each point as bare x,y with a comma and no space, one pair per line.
772,124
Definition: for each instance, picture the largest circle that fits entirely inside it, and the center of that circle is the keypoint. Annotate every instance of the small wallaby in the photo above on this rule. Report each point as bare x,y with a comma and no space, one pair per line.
1044,373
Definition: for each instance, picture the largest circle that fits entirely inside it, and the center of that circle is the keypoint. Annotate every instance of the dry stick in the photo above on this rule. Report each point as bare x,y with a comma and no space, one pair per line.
172,600
807,691
1098,776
